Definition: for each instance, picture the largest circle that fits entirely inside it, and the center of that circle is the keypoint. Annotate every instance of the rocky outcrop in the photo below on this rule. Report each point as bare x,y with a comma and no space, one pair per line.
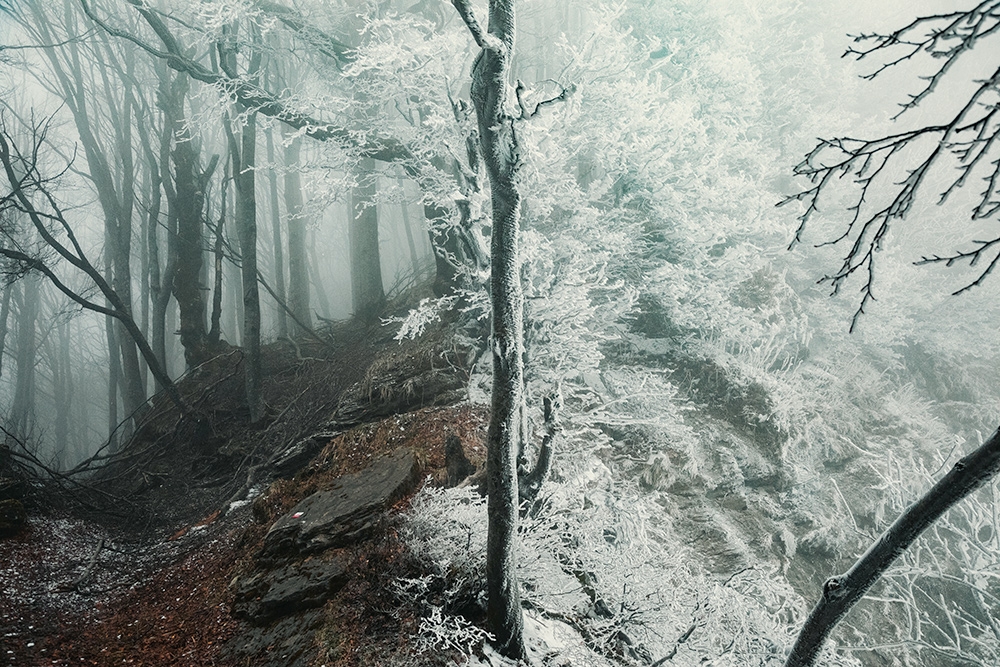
346,513
268,595
295,574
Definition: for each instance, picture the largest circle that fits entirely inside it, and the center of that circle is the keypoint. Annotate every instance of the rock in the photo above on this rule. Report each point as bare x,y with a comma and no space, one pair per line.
458,464
288,642
346,513
266,596
289,461
12,517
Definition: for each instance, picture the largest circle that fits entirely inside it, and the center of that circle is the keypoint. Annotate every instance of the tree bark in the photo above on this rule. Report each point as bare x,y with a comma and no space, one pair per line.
491,96
842,592
4,318
190,184
243,150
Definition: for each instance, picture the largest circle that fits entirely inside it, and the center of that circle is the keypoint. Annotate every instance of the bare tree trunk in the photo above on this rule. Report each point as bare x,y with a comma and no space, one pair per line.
492,96
64,395
144,295
4,317
279,259
298,271
246,229
367,292
120,232
23,404
317,280
842,592
191,183
215,330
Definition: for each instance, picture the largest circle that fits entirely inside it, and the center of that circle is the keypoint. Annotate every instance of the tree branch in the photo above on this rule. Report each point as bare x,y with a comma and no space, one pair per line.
253,96
840,593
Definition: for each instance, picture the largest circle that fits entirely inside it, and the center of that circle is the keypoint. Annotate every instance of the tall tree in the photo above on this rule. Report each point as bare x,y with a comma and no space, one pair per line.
242,150
113,178
298,269
279,255
23,403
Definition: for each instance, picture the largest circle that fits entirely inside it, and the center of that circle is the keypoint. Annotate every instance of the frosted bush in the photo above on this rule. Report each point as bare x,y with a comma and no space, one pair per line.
441,631
445,530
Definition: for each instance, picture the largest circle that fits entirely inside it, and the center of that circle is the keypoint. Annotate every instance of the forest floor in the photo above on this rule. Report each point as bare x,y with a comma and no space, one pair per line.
141,576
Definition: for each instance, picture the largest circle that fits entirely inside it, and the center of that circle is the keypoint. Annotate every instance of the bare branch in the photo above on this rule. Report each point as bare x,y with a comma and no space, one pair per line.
564,93
969,140
253,96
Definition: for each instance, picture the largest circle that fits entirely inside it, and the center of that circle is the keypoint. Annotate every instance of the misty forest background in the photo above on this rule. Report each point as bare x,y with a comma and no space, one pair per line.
727,444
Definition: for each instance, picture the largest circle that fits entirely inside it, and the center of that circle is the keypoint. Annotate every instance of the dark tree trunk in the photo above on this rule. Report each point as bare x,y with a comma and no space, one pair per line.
279,256
120,232
190,184
23,404
842,592
4,319
367,292
218,255
298,270
246,229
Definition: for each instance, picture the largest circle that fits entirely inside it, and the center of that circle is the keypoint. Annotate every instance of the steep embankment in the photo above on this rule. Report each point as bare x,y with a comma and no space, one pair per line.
161,557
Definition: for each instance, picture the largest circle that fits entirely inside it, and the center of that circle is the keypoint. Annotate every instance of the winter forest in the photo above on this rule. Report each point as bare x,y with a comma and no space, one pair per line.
499,332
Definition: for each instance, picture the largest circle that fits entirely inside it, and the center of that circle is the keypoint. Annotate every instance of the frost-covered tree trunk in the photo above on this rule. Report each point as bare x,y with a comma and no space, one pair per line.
491,95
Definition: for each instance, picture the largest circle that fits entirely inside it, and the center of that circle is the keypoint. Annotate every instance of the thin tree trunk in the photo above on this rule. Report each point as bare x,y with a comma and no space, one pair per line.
159,283
842,592
317,279
4,317
279,259
246,229
367,292
134,395
23,403
298,271
215,331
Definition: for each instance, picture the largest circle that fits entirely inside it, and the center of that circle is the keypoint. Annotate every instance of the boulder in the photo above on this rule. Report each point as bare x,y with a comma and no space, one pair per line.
12,517
347,512
268,595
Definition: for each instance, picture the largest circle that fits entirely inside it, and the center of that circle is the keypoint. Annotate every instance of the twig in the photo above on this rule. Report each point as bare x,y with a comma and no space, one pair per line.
82,579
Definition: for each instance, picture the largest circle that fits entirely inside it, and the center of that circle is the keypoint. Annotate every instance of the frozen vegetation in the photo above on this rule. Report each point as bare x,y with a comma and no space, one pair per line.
730,434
